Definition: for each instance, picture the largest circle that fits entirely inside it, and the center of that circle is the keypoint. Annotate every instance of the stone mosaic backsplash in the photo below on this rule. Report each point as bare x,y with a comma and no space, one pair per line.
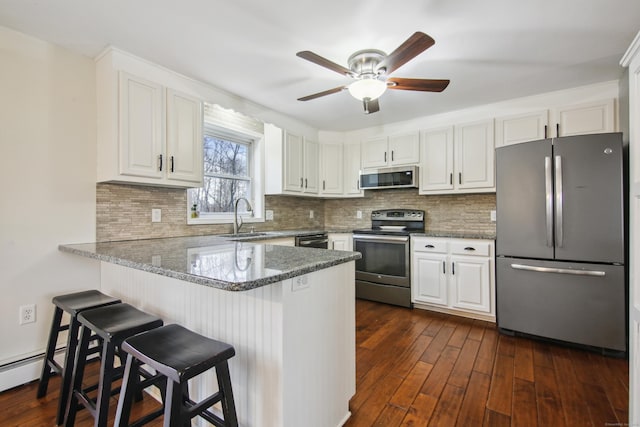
124,212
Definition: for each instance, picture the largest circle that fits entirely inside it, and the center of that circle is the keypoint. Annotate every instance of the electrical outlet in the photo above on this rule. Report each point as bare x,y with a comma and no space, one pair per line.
311,214
269,215
27,314
156,215
359,214
493,216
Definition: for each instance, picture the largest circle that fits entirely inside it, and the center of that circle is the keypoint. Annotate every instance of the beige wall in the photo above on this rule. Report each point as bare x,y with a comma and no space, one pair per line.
124,212
47,134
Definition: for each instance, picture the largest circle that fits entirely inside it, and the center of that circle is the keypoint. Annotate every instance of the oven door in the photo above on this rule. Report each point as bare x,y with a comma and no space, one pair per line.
385,259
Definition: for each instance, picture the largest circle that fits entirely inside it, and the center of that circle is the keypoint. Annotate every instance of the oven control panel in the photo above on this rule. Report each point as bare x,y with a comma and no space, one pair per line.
397,215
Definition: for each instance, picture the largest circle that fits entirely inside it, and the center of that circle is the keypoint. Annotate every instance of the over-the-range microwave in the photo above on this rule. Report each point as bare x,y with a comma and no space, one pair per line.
397,177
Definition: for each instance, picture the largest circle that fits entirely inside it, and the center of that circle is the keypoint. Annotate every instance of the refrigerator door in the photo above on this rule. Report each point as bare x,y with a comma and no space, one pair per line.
524,196
573,302
588,198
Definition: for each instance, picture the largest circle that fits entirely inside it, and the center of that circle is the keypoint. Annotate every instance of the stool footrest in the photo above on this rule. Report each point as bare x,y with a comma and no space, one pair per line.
194,408
55,366
149,417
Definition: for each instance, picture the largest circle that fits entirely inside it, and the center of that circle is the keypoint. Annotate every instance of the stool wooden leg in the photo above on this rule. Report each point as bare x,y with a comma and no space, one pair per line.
127,391
51,349
224,384
69,358
104,387
173,405
77,375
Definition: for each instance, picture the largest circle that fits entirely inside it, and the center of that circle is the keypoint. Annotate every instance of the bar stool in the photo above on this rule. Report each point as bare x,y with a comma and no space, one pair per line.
112,324
72,304
179,355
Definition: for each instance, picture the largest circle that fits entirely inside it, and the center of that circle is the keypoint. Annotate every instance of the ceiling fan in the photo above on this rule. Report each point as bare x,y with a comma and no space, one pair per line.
371,68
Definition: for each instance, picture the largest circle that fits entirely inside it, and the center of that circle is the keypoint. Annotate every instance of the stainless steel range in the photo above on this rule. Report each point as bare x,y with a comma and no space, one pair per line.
383,273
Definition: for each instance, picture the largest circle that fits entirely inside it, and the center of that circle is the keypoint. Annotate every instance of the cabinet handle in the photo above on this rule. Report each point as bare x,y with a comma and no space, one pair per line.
160,157
444,267
305,183
558,130
453,268
358,185
429,246
451,178
324,187
385,157
301,182
172,164
459,177
392,155
545,131
469,248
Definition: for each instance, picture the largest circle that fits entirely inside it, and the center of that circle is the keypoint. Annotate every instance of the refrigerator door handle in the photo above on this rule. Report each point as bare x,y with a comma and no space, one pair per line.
559,233
557,270
548,199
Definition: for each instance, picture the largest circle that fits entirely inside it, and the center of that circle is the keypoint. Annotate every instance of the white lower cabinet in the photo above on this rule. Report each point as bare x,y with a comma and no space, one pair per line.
341,241
454,276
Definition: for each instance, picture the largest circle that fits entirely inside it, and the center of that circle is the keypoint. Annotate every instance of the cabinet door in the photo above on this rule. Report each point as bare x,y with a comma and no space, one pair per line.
352,169
374,152
341,241
293,163
404,149
594,117
474,154
470,281
331,168
429,283
521,128
311,167
436,165
141,142
184,137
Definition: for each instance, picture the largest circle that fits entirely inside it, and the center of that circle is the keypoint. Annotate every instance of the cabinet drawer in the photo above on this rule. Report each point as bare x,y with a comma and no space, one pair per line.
471,247
422,244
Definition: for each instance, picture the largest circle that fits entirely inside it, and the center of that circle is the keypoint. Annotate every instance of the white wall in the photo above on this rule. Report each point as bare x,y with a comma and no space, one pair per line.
47,171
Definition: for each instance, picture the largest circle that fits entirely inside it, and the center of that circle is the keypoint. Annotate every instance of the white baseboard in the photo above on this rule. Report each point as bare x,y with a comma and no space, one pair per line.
21,374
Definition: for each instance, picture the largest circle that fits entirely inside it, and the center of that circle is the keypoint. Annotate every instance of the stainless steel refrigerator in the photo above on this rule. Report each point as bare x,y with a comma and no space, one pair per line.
560,248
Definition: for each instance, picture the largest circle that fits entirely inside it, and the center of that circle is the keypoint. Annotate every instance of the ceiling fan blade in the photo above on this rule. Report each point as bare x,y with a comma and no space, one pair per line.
319,94
371,105
323,62
412,47
425,85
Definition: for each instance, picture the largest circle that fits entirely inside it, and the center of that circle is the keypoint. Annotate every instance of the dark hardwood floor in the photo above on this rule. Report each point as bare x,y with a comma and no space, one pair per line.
419,368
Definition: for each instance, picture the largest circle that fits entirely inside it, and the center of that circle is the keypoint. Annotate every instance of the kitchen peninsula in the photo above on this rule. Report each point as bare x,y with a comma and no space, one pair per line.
288,311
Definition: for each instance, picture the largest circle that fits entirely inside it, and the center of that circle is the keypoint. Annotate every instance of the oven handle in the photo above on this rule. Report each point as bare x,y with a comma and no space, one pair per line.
381,238
312,242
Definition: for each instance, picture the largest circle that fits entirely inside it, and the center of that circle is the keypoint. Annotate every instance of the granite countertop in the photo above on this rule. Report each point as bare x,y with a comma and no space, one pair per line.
216,261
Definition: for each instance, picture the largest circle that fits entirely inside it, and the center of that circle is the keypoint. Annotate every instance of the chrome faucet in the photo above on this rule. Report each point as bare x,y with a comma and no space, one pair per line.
236,224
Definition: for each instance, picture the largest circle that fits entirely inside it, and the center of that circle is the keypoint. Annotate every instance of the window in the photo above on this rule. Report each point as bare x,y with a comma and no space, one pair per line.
232,169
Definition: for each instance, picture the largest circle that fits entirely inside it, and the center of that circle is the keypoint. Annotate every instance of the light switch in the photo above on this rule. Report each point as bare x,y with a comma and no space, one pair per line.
493,216
359,214
156,215
269,215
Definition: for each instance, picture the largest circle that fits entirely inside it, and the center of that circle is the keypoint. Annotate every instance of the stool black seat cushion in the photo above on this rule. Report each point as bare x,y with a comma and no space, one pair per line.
117,322
177,352
78,301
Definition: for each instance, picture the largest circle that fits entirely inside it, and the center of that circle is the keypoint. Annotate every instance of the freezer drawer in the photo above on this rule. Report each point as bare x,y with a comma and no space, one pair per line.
573,302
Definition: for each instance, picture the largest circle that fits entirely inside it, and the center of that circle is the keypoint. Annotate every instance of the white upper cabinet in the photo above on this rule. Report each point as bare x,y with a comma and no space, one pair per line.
474,156
291,163
521,128
395,150
575,119
458,159
581,119
351,154
148,133
331,169
436,164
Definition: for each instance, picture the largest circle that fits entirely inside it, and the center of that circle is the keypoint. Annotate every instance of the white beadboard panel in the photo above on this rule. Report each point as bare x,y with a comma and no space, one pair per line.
295,350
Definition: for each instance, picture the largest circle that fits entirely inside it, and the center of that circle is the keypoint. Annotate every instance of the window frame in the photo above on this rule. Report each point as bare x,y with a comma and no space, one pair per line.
255,141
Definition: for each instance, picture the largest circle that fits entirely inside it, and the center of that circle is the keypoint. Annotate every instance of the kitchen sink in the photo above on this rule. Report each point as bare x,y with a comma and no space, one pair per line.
243,235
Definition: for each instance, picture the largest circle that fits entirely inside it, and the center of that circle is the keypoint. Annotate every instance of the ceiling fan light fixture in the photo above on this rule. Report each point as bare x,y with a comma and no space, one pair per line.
367,88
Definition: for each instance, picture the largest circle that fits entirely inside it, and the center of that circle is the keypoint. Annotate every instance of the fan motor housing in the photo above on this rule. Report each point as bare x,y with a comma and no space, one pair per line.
365,62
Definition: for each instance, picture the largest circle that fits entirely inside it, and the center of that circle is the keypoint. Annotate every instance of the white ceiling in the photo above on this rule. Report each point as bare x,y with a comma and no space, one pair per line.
491,50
